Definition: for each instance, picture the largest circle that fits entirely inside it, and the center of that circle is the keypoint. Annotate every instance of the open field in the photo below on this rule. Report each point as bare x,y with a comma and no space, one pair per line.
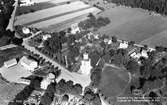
134,24
114,81
159,39
60,19
50,12
8,91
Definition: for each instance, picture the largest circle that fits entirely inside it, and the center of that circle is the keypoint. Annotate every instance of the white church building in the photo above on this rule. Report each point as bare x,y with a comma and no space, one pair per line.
46,81
85,67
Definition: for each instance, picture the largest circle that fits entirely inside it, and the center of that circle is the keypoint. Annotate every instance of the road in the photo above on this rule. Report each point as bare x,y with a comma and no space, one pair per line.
12,19
84,80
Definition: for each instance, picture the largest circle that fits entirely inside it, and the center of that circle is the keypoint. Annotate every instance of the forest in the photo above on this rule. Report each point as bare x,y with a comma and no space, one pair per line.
6,8
158,6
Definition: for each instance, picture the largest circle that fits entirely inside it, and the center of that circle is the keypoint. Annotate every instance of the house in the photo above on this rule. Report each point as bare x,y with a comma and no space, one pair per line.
75,28
34,98
85,67
46,81
10,63
26,2
28,64
110,41
26,30
45,37
24,81
123,45
144,53
137,55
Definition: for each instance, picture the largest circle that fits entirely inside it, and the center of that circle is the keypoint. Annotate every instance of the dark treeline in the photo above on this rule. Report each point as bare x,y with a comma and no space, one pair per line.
159,6
6,9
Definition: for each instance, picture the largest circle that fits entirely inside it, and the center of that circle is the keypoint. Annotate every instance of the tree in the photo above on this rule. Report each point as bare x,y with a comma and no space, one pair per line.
120,58
96,77
17,41
114,39
151,5
159,48
65,98
61,87
76,89
131,43
46,99
53,44
133,67
48,96
62,36
94,56
96,100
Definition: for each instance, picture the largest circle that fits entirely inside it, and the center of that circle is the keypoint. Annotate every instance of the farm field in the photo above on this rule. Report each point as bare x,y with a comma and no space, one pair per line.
60,19
114,81
157,40
55,1
50,12
39,6
135,24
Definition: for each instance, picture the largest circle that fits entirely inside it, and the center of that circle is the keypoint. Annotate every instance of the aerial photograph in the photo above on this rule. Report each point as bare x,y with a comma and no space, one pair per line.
83,52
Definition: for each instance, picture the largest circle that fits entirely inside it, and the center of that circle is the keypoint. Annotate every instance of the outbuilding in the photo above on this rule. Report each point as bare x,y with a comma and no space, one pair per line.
10,63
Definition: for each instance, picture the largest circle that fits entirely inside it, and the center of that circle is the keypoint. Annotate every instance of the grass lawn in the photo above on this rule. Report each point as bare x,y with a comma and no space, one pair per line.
114,81
8,91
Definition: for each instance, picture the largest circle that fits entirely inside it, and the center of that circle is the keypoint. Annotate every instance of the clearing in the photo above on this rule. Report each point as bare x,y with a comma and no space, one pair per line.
136,25
114,81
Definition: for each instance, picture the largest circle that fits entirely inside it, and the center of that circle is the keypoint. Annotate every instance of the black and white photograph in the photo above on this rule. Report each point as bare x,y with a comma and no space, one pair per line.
83,52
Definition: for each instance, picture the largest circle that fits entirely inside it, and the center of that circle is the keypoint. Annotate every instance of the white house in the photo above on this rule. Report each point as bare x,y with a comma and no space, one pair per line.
85,67
144,53
24,81
106,40
25,30
28,63
45,37
10,63
110,41
123,45
75,28
138,55
26,2
45,82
